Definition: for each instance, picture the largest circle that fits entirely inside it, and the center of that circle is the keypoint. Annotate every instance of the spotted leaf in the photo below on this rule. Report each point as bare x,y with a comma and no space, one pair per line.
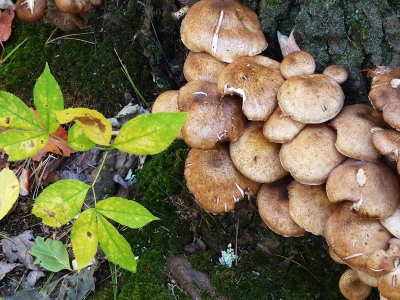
78,140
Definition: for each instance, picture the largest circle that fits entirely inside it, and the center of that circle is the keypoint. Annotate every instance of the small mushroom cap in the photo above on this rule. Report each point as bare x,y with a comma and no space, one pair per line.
225,29
273,207
196,91
309,207
24,13
337,73
311,99
334,257
202,66
256,157
311,155
392,223
353,126
385,261
166,102
73,6
368,279
280,128
387,142
391,114
64,21
372,187
352,287
353,238
213,121
389,285
297,63
214,181
255,83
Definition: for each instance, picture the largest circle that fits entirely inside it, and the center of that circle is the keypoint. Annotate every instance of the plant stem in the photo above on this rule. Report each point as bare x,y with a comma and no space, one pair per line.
97,176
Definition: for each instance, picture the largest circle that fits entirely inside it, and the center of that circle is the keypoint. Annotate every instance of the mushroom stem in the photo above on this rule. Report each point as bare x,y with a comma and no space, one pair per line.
179,14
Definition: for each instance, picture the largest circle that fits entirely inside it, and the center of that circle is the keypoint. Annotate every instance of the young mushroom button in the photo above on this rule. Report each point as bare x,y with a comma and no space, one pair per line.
202,66
297,63
31,14
352,287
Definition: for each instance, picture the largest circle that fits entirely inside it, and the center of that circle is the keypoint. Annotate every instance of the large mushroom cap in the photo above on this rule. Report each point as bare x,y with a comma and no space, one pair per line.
311,155
353,238
281,128
257,81
25,13
373,188
73,6
352,287
196,91
225,29
256,157
337,73
387,142
273,207
297,63
166,102
392,223
202,66
309,207
353,126
311,99
214,181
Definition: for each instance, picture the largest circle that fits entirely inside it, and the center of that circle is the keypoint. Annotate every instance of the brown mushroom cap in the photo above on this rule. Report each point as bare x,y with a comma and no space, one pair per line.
255,83
353,238
64,21
389,285
166,102
273,207
311,99
385,261
73,6
368,279
309,207
24,13
352,287
311,155
373,188
387,142
214,181
353,126
196,91
202,66
280,128
392,223
334,256
297,63
213,121
256,157
225,29
337,73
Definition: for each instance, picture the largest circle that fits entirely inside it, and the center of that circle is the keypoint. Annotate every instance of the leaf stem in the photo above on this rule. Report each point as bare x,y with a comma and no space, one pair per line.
97,176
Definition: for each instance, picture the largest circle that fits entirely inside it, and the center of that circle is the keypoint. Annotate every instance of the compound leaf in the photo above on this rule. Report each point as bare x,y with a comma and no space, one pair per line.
114,245
48,99
125,212
84,237
9,191
50,254
60,202
78,140
150,133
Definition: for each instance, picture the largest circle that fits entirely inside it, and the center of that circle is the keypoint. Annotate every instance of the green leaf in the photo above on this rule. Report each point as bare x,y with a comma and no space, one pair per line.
125,212
48,99
9,191
84,237
78,140
15,114
60,202
50,254
20,144
94,124
114,245
150,133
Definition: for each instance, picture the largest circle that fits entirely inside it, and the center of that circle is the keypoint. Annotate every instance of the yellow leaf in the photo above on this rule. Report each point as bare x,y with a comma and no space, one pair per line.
9,191
96,127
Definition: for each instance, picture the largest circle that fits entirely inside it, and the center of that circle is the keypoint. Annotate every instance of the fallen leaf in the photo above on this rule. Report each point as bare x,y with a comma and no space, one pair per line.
24,182
5,268
77,286
6,18
30,294
32,278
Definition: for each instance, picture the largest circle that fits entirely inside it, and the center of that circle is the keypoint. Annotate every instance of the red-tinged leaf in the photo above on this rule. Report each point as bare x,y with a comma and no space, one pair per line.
6,19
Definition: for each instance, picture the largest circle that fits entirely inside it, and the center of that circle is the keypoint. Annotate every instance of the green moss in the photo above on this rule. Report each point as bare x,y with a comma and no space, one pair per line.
103,293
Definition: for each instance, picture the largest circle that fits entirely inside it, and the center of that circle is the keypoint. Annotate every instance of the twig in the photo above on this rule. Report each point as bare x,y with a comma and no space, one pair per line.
299,264
236,242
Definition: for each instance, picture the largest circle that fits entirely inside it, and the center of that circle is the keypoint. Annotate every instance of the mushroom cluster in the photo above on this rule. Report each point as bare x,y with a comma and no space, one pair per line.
279,132
67,15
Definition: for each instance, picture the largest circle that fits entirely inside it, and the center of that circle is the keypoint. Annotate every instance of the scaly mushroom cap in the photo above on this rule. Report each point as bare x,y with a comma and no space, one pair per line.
368,279
353,238
385,94
337,73
297,63
311,155
281,128
392,223
373,188
196,91
311,99
273,207
256,157
213,121
24,12
73,6
389,285
202,66
387,142
309,207
214,181
385,261
166,102
353,126
255,83
225,29
352,287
